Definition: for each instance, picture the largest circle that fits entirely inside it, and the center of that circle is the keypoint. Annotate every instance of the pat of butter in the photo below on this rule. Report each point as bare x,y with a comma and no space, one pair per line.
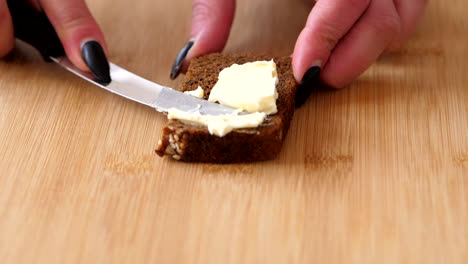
219,125
197,93
250,87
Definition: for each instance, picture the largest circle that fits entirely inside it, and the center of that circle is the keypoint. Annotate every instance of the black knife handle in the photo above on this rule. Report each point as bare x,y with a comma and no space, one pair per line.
34,28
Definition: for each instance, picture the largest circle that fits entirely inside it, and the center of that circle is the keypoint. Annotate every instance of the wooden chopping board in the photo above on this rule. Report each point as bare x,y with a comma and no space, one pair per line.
374,173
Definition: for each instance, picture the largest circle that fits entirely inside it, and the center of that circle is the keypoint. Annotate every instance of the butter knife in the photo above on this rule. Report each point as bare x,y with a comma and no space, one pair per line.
34,28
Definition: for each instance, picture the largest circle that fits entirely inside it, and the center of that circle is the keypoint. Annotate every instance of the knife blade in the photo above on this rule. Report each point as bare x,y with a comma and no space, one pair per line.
34,28
138,89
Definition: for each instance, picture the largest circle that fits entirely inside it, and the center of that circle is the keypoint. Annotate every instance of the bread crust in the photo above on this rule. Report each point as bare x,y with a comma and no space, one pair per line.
191,143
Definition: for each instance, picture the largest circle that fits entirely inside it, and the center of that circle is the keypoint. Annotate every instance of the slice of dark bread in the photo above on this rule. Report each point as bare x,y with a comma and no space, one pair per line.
193,143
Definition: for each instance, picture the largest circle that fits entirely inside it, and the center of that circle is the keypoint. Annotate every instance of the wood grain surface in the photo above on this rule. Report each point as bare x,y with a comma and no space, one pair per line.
374,173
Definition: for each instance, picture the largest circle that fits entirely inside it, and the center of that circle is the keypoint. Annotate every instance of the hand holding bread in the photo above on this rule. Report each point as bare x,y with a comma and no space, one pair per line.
341,38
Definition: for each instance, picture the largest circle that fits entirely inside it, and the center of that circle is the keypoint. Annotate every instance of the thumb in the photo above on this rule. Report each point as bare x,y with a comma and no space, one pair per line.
211,25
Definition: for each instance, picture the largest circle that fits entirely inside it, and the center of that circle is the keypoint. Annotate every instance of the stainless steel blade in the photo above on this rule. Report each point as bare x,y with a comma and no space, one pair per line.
133,87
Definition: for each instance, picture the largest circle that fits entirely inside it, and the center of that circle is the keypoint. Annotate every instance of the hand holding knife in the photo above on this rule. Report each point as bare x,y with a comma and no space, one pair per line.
34,28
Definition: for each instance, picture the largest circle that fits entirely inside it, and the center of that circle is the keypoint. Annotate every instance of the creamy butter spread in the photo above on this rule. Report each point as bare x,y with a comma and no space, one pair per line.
250,86
219,125
197,93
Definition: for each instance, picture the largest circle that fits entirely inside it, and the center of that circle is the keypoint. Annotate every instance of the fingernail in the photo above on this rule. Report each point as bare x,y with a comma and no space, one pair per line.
309,81
180,59
95,58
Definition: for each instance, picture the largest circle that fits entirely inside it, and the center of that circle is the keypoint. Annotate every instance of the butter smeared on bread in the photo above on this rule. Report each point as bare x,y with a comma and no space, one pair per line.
219,125
193,143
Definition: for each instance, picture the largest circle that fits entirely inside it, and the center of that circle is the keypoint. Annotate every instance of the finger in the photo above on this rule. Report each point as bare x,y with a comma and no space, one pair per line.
211,25
7,39
410,13
79,34
327,23
363,44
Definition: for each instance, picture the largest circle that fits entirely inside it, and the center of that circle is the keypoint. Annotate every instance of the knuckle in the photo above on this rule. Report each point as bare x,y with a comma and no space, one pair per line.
200,16
386,24
75,21
328,33
201,10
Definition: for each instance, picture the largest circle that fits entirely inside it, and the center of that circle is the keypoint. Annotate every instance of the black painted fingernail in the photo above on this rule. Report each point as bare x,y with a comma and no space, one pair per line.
309,82
180,59
96,59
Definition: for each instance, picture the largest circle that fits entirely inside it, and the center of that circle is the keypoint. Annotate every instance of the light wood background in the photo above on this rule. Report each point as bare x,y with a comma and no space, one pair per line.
374,173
